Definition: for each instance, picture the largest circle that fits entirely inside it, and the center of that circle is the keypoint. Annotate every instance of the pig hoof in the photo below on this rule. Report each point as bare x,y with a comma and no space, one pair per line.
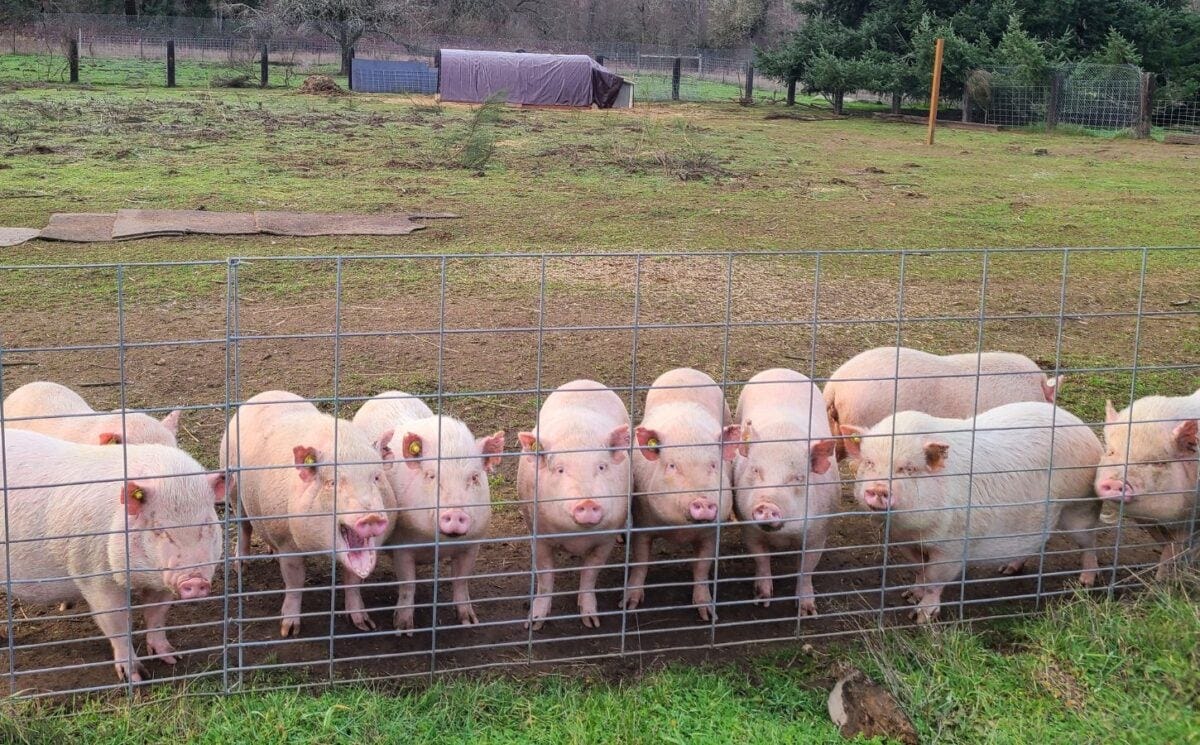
362,621
535,623
910,596
1087,579
163,651
763,600
1008,570
137,674
590,620
289,627
808,609
403,621
632,600
707,613
467,617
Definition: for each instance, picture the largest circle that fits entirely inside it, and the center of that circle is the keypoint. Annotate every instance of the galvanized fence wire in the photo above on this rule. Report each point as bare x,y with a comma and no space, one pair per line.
231,638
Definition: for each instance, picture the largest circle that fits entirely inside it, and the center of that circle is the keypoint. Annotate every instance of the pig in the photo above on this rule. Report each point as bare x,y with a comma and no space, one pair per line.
986,495
682,477
785,477
886,380
62,413
147,509
578,500
441,492
290,496
1150,465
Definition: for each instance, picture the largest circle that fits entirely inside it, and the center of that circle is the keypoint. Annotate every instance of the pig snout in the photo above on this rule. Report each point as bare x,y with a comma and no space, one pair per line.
1115,489
877,497
702,511
768,516
454,522
371,526
587,512
194,587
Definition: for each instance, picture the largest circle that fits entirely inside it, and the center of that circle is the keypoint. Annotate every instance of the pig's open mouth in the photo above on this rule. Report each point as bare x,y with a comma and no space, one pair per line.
360,554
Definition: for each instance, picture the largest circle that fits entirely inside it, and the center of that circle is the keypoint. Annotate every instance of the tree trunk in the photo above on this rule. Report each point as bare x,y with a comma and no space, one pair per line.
131,7
791,92
896,102
839,98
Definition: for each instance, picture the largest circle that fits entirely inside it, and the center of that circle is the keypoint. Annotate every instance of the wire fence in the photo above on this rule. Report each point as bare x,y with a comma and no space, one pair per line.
116,50
1104,98
427,550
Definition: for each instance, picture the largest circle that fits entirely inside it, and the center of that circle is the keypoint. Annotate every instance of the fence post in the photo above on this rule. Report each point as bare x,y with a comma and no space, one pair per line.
1054,99
966,105
262,69
73,60
749,95
676,71
350,69
791,92
1145,105
935,89
171,63
600,60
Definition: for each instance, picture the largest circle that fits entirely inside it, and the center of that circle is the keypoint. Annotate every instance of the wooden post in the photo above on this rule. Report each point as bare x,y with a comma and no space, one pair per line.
936,89
966,105
1054,99
791,92
73,60
262,68
676,72
171,63
748,97
1145,106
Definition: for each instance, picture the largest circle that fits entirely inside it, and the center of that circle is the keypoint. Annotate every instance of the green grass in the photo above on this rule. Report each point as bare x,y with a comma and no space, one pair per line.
152,71
1087,671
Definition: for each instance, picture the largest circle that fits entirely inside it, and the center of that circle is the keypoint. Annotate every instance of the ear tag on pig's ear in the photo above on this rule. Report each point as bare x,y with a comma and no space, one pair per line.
310,459
414,447
652,442
137,494
856,439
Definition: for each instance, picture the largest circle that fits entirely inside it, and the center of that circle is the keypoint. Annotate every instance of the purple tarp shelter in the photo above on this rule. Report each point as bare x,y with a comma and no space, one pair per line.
544,79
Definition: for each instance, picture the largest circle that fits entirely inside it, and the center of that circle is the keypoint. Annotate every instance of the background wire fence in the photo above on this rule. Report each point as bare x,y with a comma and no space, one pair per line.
486,338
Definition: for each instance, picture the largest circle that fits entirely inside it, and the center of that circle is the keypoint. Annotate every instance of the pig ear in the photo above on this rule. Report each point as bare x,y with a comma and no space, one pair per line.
133,497
217,481
171,421
618,441
821,455
649,442
385,452
306,462
731,441
1185,436
747,438
1050,388
411,449
1110,412
935,455
110,438
491,447
852,440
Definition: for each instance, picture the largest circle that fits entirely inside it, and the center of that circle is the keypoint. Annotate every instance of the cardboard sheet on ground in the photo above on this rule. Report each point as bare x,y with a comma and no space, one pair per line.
149,223
17,236
312,223
79,227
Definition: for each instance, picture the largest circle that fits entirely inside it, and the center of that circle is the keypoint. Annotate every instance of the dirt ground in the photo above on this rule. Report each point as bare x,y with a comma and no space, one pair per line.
502,331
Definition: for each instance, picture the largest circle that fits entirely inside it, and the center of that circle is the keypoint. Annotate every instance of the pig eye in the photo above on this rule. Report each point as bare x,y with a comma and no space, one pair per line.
430,476
603,467
560,470
670,466
376,478
712,466
475,479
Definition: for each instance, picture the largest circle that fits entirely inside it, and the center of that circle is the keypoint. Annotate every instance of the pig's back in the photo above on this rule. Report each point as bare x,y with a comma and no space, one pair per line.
785,396
1033,435
43,399
1004,378
583,398
389,410
685,385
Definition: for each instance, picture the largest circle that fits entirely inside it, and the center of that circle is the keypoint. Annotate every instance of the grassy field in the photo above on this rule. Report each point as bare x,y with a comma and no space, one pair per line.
660,178
1088,671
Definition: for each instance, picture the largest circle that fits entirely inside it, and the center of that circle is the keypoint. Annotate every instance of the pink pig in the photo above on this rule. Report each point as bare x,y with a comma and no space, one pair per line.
62,413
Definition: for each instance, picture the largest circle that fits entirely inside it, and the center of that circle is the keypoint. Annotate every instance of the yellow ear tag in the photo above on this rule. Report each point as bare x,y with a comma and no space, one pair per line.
309,460
414,447
652,442
138,494
855,439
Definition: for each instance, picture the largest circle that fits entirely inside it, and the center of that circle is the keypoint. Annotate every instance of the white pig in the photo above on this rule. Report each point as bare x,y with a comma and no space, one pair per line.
67,416
785,476
68,540
683,477
882,381
986,496
1150,464
289,493
580,498
442,493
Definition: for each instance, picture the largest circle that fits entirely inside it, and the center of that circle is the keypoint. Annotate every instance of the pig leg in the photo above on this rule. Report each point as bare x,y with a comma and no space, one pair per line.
1175,540
1079,522
405,563
540,608
911,553
292,569
814,545
155,615
354,602
639,547
245,530
764,585
937,576
463,566
592,561
1014,567
706,552
108,606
